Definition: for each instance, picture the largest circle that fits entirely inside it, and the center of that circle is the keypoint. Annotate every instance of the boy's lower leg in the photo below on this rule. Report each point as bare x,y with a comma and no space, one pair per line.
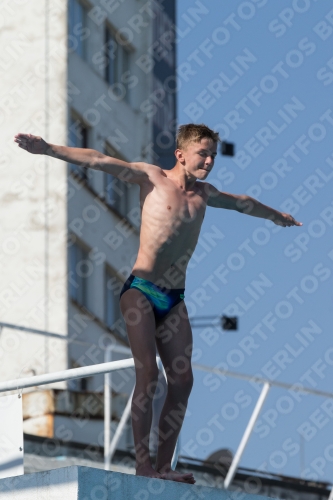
171,421
141,424
169,429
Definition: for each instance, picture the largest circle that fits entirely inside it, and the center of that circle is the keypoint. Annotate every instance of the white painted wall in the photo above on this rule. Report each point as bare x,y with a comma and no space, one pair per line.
23,263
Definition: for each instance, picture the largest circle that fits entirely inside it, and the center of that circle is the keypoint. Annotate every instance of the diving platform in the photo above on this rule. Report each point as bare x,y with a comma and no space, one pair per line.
83,483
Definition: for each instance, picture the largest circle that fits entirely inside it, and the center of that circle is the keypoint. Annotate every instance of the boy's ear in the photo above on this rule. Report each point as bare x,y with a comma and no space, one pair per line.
179,155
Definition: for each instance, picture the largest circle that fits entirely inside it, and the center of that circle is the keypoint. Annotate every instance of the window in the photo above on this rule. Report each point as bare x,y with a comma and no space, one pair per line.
117,68
80,270
78,138
113,316
116,190
77,28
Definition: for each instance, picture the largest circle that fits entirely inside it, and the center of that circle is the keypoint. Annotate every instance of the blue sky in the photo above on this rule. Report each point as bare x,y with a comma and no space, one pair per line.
261,73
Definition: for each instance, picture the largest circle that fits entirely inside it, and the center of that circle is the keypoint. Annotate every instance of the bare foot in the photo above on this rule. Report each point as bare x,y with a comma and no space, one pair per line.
173,475
148,471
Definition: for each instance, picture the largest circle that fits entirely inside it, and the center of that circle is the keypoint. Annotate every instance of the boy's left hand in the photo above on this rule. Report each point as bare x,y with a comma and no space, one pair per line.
286,220
31,143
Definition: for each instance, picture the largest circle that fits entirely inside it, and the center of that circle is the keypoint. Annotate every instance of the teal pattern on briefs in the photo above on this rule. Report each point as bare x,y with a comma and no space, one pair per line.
161,301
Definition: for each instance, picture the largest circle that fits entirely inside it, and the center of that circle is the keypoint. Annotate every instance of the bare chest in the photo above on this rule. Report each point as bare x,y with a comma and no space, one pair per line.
165,204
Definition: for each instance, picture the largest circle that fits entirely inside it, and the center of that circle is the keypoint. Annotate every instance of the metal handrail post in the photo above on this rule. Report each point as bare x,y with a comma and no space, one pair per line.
175,454
120,428
108,400
246,436
107,408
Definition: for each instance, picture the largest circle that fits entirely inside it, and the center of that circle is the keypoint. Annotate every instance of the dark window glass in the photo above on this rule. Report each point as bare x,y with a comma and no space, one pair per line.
113,287
77,28
80,270
78,138
117,63
116,190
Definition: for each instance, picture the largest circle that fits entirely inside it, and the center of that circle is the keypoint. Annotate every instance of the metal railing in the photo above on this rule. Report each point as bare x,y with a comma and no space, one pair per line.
70,374
111,366
104,368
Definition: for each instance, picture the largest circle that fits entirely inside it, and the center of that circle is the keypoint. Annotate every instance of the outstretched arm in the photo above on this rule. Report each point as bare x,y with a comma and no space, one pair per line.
130,172
247,205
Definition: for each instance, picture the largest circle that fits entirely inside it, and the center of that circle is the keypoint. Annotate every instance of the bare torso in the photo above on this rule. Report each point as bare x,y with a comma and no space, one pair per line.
170,226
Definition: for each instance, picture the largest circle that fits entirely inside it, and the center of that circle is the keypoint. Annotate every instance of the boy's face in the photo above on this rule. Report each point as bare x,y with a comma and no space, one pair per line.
198,157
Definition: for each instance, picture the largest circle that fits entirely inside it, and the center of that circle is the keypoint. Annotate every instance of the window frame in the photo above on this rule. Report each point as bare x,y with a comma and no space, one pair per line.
110,151
121,63
109,271
82,300
82,44
74,117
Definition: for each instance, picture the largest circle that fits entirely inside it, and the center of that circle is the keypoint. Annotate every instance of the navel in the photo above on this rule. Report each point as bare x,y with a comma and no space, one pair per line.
168,207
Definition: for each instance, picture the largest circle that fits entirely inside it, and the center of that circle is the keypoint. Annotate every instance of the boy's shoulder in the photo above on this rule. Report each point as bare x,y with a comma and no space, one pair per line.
150,168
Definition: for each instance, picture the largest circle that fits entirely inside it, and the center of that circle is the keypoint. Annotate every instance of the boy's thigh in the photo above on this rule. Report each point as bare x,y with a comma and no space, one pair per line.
140,325
174,338
135,306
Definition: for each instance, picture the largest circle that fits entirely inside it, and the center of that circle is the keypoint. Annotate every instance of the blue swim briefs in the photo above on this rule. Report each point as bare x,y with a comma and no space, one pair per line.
161,299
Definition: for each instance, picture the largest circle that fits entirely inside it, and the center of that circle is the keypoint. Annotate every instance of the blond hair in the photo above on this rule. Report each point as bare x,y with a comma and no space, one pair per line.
192,132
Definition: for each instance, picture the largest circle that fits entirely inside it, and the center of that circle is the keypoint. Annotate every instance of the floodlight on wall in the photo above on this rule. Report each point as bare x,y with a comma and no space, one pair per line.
227,148
229,323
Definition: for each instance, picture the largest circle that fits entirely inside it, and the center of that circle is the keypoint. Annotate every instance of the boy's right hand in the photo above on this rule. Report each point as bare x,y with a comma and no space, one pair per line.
31,143
285,220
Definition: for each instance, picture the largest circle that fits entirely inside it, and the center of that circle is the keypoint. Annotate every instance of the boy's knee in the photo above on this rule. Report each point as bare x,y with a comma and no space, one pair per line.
189,380
181,366
181,374
147,374
183,382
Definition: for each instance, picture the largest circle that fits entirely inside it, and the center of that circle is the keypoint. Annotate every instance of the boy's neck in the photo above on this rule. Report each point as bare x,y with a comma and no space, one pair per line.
182,178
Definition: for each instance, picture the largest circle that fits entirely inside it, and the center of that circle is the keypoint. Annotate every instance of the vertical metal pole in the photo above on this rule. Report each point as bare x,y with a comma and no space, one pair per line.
246,436
175,454
331,494
120,428
107,408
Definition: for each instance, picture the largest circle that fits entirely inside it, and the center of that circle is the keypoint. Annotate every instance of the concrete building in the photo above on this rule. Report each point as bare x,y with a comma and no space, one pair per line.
91,75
